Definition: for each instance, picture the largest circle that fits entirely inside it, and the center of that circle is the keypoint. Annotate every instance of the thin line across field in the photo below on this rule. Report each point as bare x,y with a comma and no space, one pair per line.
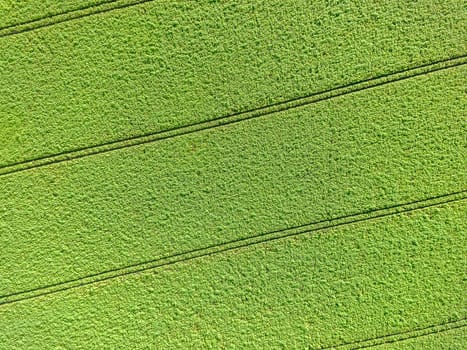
400,336
48,21
235,245
52,16
235,117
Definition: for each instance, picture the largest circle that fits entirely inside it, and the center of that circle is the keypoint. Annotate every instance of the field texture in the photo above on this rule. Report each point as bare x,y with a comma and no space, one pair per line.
445,340
338,157
15,14
78,83
248,174
366,279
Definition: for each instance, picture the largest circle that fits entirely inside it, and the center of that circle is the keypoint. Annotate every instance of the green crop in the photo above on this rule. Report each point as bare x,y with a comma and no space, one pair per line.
341,285
368,150
274,174
165,64
17,12
448,340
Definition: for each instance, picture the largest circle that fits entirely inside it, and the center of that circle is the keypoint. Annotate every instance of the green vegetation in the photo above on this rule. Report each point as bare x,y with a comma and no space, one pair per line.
164,64
341,285
334,216
388,145
449,340
16,12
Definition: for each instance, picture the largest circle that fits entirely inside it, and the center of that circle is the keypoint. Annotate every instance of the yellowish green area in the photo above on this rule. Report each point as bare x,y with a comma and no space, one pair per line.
365,280
165,64
161,65
446,340
15,13
393,144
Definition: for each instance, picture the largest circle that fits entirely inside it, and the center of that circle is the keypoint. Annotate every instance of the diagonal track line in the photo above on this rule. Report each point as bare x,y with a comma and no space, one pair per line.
48,21
110,5
36,20
400,336
236,117
234,245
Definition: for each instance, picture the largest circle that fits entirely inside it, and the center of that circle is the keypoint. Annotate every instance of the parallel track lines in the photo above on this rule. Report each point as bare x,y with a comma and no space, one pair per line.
234,245
400,336
111,5
236,117
48,21
54,15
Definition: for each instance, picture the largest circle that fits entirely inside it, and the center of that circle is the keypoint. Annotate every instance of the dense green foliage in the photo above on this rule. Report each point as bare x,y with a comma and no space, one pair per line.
340,285
212,206
164,64
395,143
449,340
17,12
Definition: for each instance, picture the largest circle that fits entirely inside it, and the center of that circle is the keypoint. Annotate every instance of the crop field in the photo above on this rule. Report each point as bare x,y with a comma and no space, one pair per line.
233,174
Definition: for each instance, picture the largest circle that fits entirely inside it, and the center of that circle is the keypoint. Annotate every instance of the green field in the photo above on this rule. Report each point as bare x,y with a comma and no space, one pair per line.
77,83
365,280
15,13
452,339
329,159
248,174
